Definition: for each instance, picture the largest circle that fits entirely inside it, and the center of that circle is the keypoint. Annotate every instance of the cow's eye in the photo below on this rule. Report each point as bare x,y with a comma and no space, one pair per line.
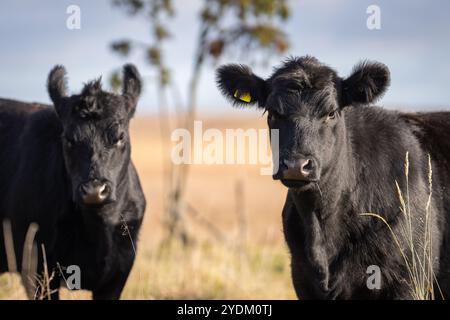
332,115
119,140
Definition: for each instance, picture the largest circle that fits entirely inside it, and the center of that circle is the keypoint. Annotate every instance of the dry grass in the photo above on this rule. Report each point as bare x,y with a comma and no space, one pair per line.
11,287
208,269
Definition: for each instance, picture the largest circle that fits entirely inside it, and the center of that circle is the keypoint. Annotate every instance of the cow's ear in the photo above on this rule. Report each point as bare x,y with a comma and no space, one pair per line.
57,87
132,86
367,83
240,85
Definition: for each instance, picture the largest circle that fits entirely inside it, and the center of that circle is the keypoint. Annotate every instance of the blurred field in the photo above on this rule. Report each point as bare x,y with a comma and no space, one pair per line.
255,266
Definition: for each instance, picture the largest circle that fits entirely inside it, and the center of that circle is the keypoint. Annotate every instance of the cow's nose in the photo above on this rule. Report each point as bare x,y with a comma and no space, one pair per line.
94,192
302,169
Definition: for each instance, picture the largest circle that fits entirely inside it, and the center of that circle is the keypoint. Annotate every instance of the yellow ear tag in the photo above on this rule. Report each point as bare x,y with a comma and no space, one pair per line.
244,96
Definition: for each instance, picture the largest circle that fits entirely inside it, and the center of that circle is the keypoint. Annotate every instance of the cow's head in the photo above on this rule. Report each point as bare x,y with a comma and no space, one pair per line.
95,139
305,100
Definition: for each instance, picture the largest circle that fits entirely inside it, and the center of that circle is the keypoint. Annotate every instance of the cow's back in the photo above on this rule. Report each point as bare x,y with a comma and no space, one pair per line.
13,116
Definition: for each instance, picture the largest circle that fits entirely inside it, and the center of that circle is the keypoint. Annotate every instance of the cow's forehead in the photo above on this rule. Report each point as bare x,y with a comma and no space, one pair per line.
297,75
293,98
97,104
301,82
91,127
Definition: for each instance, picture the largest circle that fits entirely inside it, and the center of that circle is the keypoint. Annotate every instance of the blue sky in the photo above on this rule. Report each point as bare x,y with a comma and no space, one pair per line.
414,41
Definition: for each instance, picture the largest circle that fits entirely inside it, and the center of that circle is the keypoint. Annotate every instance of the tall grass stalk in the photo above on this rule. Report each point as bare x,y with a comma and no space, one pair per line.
419,263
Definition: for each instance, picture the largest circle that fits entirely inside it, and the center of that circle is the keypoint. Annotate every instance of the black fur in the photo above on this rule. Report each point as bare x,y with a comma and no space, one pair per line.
359,152
45,155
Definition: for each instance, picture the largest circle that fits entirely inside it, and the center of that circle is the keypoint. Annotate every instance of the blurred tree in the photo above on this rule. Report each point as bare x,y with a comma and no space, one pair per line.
226,27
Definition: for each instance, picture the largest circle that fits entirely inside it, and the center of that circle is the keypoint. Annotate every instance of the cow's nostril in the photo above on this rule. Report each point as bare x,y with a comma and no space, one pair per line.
103,191
83,189
306,166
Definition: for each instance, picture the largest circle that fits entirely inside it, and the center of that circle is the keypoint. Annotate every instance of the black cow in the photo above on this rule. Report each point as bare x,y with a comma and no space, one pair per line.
67,168
341,158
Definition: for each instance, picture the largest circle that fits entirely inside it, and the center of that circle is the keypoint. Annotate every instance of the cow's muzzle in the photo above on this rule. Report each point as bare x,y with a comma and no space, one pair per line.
94,192
298,172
